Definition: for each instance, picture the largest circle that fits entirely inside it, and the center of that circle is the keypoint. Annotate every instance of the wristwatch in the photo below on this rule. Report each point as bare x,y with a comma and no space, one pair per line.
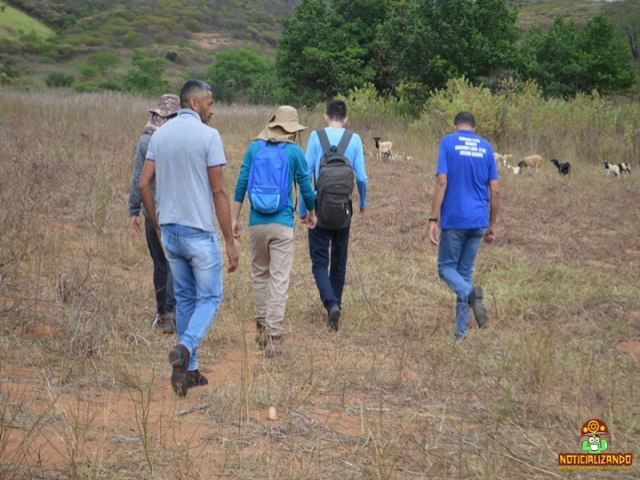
433,219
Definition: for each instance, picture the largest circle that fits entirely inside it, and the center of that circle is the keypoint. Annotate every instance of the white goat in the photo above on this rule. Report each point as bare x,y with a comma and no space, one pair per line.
534,161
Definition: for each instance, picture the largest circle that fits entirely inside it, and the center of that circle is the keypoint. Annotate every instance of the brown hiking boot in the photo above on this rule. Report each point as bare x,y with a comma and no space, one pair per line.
260,332
179,360
272,345
196,379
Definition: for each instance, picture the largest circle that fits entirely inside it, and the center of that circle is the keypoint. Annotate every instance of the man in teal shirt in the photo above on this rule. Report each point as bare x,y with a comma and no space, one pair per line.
271,234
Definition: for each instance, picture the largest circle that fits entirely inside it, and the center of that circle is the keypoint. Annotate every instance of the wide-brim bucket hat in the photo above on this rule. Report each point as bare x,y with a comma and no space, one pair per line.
286,117
168,105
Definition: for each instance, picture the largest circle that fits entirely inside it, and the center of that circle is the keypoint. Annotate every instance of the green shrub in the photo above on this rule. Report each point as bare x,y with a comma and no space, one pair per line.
89,71
242,75
146,76
411,98
460,95
112,85
59,79
364,102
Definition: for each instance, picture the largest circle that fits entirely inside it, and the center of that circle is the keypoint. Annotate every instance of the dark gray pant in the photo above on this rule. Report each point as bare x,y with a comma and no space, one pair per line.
162,280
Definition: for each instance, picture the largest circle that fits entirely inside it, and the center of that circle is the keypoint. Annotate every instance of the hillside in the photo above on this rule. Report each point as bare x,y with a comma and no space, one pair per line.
185,34
15,23
542,14
136,23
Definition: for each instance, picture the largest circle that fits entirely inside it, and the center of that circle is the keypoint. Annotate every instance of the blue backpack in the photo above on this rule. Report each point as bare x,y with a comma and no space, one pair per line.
268,188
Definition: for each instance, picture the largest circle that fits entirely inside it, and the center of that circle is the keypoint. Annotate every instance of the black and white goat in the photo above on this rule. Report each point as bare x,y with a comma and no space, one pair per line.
610,168
384,148
624,168
564,168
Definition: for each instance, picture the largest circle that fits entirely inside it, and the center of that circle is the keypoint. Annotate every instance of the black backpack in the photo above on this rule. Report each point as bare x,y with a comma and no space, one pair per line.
334,183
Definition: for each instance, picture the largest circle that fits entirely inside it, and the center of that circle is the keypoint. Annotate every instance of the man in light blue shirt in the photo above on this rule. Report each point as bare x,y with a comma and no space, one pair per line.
328,247
186,158
465,202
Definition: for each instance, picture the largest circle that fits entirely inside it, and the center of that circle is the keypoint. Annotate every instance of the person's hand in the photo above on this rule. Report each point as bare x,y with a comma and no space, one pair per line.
311,220
434,233
362,210
236,228
490,234
136,228
233,256
303,219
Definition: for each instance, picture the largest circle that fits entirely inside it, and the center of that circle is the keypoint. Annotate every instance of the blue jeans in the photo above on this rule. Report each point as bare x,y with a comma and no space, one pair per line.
328,250
457,253
196,265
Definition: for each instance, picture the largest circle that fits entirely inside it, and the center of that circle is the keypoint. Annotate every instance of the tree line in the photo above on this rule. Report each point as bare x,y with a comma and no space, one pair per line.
408,49
404,49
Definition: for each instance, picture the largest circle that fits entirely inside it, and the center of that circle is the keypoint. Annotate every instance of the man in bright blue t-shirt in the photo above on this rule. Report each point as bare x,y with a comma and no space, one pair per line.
466,203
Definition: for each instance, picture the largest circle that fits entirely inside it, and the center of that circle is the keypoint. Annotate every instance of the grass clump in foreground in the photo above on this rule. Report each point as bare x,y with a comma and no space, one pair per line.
85,384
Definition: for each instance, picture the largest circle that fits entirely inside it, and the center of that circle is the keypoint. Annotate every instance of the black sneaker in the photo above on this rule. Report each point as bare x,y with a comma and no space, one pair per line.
196,379
475,301
333,317
179,360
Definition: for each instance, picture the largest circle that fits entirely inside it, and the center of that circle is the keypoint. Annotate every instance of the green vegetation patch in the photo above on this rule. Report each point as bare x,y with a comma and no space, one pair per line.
14,24
543,14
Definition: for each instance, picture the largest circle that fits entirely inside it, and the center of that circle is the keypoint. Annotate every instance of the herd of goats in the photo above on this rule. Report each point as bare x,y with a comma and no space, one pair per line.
532,162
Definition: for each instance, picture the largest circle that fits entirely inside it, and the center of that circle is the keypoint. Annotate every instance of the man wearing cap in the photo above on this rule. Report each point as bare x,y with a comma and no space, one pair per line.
186,158
165,318
271,234
465,205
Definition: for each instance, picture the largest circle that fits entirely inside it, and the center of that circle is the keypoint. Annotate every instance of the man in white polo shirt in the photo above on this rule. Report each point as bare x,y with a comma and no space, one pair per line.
186,158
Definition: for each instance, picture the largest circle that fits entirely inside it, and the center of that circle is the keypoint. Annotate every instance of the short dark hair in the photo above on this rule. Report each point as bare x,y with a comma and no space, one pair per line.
336,109
466,118
191,88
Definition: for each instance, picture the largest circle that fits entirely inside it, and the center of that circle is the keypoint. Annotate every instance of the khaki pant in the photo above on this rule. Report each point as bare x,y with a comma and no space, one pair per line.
271,259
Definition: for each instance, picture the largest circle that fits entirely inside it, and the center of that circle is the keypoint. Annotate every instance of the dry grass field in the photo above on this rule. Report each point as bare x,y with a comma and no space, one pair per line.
84,380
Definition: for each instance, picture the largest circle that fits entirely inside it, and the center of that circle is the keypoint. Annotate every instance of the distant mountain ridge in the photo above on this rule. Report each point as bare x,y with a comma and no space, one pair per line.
134,23
130,23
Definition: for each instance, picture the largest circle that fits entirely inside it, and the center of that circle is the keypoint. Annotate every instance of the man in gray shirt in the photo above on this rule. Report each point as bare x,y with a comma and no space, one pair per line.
186,158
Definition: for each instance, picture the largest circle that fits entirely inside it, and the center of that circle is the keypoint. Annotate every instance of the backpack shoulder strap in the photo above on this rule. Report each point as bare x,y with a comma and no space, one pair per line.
344,141
324,140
